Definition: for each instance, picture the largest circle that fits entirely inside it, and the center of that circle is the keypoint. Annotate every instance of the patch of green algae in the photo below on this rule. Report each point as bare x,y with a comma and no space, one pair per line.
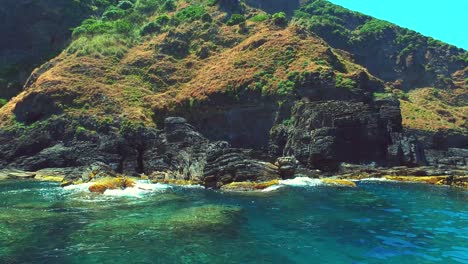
248,186
208,218
167,220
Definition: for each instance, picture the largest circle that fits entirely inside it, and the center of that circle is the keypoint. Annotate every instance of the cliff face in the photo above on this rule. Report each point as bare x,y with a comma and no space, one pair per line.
251,88
33,32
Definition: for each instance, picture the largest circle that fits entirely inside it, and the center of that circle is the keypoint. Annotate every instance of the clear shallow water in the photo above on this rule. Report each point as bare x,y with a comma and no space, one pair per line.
378,222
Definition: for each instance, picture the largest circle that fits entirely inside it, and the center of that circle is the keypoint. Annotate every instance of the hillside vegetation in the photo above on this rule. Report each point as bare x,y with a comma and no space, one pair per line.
239,71
34,32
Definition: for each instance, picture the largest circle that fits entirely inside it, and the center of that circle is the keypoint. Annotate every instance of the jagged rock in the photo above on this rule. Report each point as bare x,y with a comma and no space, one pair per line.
405,150
236,165
287,166
180,150
448,157
97,170
326,133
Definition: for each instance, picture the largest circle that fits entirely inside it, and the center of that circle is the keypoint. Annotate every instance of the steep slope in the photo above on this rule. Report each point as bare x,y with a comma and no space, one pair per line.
33,32
403,58
266,86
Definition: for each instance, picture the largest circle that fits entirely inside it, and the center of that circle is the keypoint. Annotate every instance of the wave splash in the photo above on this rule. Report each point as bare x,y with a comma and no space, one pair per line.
140,189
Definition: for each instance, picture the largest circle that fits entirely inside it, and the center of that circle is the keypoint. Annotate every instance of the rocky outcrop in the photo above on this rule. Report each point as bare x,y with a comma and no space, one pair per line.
450,157
182,153
325,133
236,165
178,152
405,150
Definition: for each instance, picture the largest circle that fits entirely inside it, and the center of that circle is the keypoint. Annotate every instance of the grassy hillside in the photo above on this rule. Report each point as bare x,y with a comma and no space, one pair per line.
402,57
143,57
142,60
430,109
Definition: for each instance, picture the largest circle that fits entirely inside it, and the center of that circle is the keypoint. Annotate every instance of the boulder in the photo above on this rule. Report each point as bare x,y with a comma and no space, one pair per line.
236,165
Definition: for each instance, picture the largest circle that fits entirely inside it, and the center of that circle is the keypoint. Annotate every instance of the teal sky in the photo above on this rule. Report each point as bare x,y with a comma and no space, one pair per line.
445,20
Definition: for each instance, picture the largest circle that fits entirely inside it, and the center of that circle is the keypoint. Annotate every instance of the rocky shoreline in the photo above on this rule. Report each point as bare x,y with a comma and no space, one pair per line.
102,177
181,155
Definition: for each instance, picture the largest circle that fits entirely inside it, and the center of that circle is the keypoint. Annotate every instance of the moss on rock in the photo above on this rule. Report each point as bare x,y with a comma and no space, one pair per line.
339,182
248,186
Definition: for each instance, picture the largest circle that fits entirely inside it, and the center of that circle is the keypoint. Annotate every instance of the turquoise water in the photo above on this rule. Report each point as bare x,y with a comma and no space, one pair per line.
378,222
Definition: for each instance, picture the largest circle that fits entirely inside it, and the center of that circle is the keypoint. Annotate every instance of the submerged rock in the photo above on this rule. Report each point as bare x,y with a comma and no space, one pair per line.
208,218
248,186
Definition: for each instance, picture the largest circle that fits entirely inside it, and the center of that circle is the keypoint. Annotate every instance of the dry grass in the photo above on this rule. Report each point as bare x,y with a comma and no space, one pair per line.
144,85
430,109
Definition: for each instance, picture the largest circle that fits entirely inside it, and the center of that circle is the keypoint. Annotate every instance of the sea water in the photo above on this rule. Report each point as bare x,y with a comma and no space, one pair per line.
299,221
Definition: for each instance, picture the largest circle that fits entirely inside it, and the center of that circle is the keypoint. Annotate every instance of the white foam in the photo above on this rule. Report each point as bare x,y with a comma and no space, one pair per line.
141,188
144,185
271,188
195,186
376,179
301,182
83,187
127,192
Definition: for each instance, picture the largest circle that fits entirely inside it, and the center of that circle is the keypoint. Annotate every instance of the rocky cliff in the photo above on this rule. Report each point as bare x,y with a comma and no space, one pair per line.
222,91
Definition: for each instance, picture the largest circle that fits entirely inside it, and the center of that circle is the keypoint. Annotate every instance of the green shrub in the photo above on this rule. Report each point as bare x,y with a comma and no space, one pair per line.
162,19
150,28
169,5
280,19
285,87
260,17
343,82
125,5
147,6
235,19
3,102
105,45
113,13
123,27
190,13
373,29
92,26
